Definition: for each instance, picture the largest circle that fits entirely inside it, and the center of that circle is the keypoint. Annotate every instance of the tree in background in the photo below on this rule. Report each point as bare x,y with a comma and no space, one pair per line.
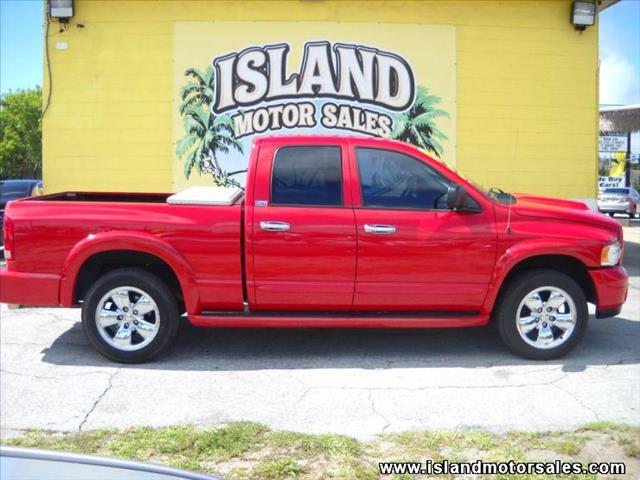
21,134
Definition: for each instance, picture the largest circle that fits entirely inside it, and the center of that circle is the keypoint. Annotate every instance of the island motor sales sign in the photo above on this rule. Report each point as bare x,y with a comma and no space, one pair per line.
236,80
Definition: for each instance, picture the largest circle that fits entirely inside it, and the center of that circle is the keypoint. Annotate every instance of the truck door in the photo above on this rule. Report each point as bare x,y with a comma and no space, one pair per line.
414,254
303,248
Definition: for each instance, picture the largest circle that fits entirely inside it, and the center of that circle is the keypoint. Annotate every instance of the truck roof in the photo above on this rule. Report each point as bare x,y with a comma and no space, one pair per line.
303,138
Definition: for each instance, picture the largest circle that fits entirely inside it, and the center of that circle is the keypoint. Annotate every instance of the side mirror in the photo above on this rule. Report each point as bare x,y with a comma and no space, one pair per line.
456,196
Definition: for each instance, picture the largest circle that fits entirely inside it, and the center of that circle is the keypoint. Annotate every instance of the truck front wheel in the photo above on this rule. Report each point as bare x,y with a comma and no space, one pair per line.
542,315
130,315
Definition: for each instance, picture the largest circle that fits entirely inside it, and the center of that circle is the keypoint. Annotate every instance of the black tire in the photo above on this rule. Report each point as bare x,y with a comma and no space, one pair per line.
155,288
515,292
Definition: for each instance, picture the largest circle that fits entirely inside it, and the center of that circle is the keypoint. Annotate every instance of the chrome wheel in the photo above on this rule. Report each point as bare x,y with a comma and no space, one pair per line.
127,318
546,317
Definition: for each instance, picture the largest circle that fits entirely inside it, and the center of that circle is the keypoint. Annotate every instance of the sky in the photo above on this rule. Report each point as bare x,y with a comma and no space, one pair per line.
620,54
21,49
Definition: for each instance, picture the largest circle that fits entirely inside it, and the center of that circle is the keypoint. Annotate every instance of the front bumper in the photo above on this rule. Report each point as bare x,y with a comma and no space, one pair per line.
611,285
33,289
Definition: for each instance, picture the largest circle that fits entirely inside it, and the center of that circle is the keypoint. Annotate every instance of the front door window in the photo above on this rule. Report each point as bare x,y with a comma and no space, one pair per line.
392,180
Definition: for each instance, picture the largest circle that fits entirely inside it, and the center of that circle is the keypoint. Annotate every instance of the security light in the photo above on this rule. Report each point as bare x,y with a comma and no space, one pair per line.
61,9
583,14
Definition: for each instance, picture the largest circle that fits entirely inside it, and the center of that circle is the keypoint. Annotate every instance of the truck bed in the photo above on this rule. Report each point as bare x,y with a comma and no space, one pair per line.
205,238
115,197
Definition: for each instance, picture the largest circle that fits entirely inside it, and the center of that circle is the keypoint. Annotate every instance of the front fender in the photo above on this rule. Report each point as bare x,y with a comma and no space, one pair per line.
126,240
534,248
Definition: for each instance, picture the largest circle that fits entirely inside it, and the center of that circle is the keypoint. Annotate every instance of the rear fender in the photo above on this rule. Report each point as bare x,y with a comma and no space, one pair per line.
118,240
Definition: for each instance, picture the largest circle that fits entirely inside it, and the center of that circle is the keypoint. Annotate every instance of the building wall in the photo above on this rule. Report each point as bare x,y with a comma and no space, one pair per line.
526,89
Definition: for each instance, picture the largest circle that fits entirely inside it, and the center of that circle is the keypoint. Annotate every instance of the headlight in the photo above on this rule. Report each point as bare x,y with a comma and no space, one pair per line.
610,255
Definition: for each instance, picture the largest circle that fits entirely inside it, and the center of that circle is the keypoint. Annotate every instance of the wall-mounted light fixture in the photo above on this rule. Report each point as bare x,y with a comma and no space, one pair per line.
61,9
583,14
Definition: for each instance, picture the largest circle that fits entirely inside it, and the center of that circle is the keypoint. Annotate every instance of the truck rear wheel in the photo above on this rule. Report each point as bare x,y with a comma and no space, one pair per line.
130,315
542,315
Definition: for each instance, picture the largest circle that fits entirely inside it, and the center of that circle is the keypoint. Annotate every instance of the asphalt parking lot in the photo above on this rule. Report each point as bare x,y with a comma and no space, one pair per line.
357,382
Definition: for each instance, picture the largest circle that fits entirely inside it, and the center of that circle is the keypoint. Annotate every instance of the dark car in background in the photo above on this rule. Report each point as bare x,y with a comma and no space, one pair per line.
14,189
619,200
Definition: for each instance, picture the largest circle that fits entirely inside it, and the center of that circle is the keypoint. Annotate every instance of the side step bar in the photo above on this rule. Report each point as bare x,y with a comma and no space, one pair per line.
339,320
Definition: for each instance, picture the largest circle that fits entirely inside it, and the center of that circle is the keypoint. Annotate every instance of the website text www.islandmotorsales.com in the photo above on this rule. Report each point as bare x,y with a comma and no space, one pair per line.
445,467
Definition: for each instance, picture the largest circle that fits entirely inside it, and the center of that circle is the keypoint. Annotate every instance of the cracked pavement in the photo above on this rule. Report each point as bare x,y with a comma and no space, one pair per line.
357,382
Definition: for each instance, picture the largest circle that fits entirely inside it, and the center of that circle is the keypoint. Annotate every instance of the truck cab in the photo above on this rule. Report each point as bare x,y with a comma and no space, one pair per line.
349,225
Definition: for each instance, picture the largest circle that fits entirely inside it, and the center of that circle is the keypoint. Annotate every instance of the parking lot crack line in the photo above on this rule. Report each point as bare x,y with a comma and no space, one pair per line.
580,402
26,375
623,361
375,410
48,377
303,395
445,387
100,397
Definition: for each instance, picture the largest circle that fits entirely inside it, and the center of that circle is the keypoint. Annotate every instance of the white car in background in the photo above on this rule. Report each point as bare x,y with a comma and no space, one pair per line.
619,200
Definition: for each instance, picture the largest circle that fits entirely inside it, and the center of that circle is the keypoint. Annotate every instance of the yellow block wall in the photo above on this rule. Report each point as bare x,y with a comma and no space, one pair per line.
526,89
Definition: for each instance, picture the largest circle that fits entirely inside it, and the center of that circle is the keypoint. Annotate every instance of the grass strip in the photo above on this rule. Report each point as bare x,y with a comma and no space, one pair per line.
247,450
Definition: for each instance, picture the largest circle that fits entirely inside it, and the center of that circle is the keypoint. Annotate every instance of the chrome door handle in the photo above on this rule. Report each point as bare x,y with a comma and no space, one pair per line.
275,226
380,229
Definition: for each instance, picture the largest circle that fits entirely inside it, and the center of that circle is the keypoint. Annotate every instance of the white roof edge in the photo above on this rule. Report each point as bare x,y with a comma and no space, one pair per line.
604,4
622,107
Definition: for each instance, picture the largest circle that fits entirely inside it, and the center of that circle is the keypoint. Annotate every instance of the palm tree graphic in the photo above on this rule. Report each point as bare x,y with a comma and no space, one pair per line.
416,126
199,90
207,134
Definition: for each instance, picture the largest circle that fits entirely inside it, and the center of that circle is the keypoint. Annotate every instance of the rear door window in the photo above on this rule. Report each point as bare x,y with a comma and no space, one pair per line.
307,176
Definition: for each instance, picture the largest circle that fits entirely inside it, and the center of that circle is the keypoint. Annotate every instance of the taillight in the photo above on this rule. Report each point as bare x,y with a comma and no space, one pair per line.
8,238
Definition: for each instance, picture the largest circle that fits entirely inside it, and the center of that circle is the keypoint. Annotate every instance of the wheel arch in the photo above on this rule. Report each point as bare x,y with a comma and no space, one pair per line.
567,264
98,254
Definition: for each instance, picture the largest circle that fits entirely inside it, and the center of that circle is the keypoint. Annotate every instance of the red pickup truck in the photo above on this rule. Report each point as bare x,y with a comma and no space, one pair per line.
331,232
